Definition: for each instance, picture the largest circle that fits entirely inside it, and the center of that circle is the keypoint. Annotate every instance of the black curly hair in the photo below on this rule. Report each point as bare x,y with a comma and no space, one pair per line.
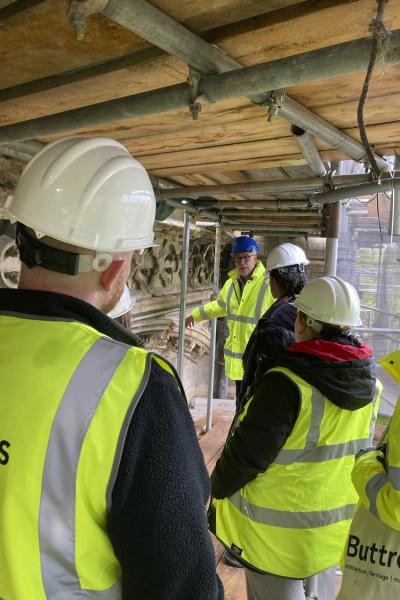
290,280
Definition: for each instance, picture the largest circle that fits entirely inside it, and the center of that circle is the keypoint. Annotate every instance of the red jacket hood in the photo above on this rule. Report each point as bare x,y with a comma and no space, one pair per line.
332,351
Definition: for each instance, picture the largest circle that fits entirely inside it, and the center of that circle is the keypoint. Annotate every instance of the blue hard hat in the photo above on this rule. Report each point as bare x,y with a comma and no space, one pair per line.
244,243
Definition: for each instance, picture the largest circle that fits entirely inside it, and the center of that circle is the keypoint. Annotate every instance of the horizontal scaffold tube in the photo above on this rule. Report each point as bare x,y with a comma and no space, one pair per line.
271,213
355,191
259,187
317,65
150,23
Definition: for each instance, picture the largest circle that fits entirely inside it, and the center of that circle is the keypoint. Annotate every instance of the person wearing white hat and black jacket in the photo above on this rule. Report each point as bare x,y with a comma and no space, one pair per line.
282,498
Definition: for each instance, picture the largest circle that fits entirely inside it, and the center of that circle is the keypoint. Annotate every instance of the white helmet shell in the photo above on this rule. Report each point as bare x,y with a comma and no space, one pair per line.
87,192
286,255
124,304
330,300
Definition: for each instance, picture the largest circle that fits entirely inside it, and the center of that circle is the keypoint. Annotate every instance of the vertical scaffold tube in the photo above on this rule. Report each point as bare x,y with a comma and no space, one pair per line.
217,258
184,277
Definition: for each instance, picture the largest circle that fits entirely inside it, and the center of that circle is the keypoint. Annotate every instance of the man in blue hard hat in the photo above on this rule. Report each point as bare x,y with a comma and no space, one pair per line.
243,300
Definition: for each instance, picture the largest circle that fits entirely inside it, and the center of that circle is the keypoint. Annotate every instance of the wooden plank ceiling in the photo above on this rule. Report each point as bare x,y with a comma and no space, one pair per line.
232,140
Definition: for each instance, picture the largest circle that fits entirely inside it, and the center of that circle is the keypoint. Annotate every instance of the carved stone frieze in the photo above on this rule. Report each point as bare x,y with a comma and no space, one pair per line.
197,341
10,170
157,270
9,263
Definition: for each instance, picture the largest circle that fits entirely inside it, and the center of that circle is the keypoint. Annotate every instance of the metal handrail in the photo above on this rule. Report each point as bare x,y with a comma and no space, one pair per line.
379,310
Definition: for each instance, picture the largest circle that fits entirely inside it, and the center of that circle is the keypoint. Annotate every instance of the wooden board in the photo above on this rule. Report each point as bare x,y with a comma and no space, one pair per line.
29,52
233,580
230,136
313,24
212,442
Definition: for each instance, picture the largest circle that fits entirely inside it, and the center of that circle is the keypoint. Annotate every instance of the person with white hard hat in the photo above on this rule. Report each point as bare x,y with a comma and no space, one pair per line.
102,481
282,497
286,267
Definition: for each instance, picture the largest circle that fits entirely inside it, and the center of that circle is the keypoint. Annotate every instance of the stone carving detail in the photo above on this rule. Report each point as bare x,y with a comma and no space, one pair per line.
9,263
10,171
144,271
197,341
201,264
157,271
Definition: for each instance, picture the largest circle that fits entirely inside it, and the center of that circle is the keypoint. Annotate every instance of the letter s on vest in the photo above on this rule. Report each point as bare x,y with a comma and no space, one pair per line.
4,456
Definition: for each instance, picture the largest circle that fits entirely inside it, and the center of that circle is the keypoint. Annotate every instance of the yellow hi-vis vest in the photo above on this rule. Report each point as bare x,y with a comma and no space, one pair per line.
67,400
377,485
292,520
242,311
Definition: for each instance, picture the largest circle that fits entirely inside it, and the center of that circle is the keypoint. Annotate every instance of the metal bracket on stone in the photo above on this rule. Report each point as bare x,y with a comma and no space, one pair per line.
78,12
274,103
193,82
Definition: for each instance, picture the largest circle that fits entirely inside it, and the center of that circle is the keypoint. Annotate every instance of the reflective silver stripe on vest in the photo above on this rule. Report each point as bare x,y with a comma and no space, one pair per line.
394,477
203,313
260,301
287,457
233,354
372,489
249,320
125,427
321,453
258,310
372,424
228,300
291,520
221,303
57,504
312,452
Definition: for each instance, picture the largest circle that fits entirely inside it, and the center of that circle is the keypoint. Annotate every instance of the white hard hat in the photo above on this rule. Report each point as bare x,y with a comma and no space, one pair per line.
124,304
87,192
330,300
286,255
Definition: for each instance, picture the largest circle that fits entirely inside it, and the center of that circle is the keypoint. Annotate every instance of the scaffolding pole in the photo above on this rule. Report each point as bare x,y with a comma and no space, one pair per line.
184,276
332,237
317,65
394,219
217,258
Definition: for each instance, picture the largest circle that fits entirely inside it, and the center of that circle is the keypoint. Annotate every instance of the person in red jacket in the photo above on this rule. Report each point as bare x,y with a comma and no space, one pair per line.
282,498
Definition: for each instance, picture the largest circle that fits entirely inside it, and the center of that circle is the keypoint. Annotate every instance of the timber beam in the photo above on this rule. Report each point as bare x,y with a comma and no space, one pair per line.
350,57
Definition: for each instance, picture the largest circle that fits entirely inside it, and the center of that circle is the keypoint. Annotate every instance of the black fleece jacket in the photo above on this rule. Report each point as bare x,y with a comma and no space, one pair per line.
342,369
276,325
157,523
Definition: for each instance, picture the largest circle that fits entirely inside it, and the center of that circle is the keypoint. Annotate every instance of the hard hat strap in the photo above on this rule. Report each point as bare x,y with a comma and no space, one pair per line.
290,269
35,254
315,325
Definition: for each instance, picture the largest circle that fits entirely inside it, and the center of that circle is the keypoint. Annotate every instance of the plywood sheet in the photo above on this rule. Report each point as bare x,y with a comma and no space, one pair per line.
311,25
230,136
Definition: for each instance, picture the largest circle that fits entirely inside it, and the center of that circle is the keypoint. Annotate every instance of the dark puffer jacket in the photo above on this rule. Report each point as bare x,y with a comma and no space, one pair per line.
259,350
